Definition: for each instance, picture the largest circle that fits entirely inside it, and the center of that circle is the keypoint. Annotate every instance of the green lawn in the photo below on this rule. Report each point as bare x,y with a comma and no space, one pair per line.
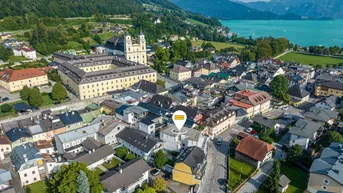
17,58
98,171
298,179
310,59
106,35
219,45
113,164
195,22
74,45
38,187
238,172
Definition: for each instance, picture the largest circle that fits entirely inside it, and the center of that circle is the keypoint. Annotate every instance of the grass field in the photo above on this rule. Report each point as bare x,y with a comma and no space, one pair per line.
75,45
310,59
36,187
219,45
106,35
238,173
195,22
17,58
298,179
114,163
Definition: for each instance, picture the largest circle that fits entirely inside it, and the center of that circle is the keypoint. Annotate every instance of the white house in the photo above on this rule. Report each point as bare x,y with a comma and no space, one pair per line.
220,121
109,129
303,133
328,103
5,179
29,53
139,143
150,124
127,178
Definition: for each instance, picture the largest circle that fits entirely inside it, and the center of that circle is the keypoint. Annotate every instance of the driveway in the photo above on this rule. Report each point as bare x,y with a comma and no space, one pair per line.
12,96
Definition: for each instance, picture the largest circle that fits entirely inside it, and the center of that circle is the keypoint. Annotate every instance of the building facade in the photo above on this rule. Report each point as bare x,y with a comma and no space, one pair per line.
220,121
180,73
135,51
329,88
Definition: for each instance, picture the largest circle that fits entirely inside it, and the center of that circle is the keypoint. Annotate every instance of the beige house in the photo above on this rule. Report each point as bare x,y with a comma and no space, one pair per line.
180,73
135,50
97,75
5,146
220,121
15,80
326,172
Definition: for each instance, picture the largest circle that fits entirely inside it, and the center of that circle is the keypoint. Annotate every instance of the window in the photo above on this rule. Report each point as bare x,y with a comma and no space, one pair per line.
27,182
35,179
33,172
25,175
324,188
325,181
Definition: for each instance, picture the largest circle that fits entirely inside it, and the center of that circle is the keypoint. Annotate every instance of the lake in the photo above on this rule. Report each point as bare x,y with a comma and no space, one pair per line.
301,32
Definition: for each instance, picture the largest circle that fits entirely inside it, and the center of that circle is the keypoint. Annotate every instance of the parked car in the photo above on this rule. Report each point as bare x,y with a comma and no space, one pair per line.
248,130
155,172
219,141
5,99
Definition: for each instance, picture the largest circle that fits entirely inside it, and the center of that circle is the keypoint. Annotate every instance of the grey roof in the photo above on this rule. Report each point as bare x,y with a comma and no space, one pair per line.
35,129
220,115
330,162
180,69
334,85
190,111
92,157
149,87
70,118
51,123
161,101
136,109
192,157
331,101
131,172
8,190
305,128
111,104
9,125
90,143
28,150
297,91
78,133
284,181
191,133
5,176
138,139
318,114
115,43
179,97
264,121
111,125
26,122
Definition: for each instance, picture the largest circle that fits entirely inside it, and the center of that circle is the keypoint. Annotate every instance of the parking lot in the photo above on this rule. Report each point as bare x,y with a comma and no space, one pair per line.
12,96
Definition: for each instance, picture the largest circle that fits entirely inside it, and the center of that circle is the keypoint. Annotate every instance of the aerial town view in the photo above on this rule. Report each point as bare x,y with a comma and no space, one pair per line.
171,96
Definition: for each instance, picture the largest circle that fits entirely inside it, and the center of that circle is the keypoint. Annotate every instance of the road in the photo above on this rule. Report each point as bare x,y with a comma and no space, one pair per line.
282,54
215,178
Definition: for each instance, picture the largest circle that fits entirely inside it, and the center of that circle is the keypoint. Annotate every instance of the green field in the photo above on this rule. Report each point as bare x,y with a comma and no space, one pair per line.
36,187
195,22
298,179
219,45
310,59
17,58
75,45
238,173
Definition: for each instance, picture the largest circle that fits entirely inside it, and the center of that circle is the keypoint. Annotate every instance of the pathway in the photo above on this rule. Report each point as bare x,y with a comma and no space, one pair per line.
286,52
103,168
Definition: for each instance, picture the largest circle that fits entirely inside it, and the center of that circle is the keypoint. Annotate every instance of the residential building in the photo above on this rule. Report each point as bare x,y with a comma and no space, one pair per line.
328,103
190,166
127,177
52,125
151,124
188,137
5,36
220,121
304,133
72,120
5,146
254,103
161,101
97,75
180,73
29,53
19,136
326,172
109,129
139,143
71,141
150,88
253,151
15,80
109,106
266,123
133,114
206,69
329,88
5,180
37,133
283,183
28,162
321,115
298,95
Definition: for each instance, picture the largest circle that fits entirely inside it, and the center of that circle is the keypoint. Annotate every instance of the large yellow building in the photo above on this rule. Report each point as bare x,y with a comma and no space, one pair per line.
329,88
96,75
190,166
180,73
15,80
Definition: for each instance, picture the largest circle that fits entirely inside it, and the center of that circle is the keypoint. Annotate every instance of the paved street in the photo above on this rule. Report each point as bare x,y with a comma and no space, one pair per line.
7,165
215,178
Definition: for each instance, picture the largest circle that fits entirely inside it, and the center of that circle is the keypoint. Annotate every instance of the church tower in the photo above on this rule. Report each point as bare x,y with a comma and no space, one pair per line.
135,51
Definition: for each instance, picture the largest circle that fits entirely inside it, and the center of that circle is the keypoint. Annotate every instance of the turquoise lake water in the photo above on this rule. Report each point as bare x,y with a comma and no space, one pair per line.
301,32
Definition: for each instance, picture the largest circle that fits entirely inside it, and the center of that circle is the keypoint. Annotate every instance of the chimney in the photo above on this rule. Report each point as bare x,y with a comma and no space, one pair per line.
90,152
93,150
120,170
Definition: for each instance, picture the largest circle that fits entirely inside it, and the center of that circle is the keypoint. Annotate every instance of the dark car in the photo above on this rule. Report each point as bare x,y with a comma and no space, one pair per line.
34,108
57,103
5,99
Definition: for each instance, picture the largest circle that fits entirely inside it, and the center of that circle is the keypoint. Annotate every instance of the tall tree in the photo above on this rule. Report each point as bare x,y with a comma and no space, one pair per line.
160,159
25,93
294,153
160,184
59,93
335,136
279,86
36,98
82,183
274,178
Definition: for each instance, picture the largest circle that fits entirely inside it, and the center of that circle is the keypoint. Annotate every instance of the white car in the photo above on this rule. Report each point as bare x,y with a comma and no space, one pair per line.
249,130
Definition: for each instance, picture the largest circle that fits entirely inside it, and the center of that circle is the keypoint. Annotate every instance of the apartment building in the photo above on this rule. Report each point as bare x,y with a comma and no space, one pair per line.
220,121
29,53
329,88
97,75
15,80
180,73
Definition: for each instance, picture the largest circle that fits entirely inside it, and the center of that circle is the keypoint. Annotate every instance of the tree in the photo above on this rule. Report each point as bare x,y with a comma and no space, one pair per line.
5,108
5,53
97,38
149,190
59,93
294,153
25,93
36,98
279,86
335,136
64,180
129,157
274,178
161,83
82,183
160,159
121,151
160,184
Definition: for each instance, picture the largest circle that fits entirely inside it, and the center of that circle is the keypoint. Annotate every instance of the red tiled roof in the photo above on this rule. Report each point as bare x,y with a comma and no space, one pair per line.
4,140
255,98
240,104
254,148
9,75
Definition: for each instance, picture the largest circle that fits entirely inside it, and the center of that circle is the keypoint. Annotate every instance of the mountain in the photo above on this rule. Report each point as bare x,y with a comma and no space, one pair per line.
226,9
315,9
77,8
